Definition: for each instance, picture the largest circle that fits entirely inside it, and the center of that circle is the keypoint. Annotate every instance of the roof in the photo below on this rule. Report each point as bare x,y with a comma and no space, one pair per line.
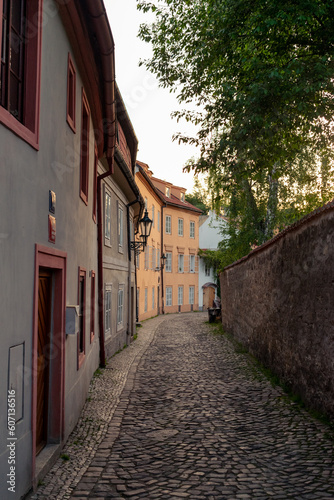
174,201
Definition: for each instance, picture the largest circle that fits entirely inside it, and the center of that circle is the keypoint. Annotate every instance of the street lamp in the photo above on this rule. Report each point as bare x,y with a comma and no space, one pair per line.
145,225
163,260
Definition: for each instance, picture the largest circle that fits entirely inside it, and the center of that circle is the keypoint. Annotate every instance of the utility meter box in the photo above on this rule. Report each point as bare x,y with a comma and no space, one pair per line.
72,320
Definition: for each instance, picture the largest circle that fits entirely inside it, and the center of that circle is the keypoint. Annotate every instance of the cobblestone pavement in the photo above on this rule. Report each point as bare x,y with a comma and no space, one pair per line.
194,419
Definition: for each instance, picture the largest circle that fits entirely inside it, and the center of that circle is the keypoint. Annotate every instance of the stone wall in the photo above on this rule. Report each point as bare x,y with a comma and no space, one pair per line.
279,302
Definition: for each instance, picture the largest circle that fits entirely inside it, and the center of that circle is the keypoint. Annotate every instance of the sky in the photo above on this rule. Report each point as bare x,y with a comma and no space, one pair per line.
149,107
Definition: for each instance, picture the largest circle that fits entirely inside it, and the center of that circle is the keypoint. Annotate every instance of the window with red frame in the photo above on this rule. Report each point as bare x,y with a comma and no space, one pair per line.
92,306
20,50
82,315
71,91
95,184
84,152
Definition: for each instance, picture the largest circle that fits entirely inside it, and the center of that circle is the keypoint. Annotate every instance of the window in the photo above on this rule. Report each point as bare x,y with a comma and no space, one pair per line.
191,295
158,258
84,149
120,228
107,310
154,258
107,218
153,297
191,263
180,263
168,296
20,50
180,227
92,306
153,216
71,91
145,203
95,184
146,300
82,314
168,265
168,192
120,307
168,224
207,270
147,257
158,221
180,296
192,229
182,197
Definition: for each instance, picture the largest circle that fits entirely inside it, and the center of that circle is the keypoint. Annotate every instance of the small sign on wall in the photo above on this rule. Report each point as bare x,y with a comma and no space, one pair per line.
52,229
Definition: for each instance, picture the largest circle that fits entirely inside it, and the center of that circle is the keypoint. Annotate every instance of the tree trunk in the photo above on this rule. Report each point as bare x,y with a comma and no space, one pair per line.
270,220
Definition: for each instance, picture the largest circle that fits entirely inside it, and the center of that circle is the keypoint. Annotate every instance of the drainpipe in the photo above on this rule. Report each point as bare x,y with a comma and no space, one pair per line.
162,269
137,200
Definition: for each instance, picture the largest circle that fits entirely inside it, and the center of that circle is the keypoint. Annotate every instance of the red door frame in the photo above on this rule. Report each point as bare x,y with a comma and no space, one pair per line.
55,260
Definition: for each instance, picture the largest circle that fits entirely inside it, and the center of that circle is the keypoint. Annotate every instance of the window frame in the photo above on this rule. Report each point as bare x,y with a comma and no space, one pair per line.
180,226
180,289
94,209
107,217
71,94
168,225
169,296
192,259
192,229
107,311
120,307
84,148
92,306
81,338
120,226
180,263
28,129
169,260
191,294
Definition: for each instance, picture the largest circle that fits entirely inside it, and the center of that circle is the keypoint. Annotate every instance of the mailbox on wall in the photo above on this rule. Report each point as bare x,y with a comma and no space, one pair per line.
72,320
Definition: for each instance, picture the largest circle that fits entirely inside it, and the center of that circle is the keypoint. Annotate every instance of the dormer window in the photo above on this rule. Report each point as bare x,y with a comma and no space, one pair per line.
168,192
182,197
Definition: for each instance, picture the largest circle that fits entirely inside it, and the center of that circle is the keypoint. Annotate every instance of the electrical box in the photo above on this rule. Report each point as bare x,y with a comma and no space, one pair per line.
72,320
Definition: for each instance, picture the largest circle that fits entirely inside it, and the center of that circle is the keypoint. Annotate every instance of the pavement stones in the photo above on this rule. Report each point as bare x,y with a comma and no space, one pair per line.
181,414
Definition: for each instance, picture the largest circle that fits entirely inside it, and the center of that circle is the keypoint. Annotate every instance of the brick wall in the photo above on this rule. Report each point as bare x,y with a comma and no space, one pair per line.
279,302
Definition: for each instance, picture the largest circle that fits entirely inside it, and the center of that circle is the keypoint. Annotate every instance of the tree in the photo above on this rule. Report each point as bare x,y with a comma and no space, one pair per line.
261,73
199,197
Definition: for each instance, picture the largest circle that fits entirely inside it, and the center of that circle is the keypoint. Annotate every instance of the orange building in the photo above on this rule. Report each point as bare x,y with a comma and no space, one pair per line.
169,284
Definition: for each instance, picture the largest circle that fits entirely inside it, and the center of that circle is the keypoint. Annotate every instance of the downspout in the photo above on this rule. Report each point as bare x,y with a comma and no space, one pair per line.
137,200
162,268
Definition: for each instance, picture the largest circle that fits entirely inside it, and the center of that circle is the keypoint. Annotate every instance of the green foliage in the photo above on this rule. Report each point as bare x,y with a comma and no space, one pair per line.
200,197
261,74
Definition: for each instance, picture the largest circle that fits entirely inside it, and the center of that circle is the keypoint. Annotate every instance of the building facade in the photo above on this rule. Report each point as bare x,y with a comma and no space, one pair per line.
58,154
210,234
173,285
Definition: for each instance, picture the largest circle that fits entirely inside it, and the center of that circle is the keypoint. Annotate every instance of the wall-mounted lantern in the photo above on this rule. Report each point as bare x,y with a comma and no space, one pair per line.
145,226
163,259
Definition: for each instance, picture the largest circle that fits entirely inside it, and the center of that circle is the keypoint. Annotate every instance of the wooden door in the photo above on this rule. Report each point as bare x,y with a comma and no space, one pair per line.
44,324
208,297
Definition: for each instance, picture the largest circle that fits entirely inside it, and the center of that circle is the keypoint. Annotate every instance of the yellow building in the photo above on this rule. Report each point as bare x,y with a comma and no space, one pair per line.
169,284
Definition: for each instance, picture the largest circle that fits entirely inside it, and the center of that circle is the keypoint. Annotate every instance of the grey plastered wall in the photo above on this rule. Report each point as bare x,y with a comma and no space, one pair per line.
279,303
26,176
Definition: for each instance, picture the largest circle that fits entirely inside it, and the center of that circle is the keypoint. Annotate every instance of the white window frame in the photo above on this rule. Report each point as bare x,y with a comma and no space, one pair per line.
180,295
207,270
147,257
168,192
168,265
153,216
191,295
169,296
180,263
192,229
120,307
120,226
146,300
153,297
180,227
158,221
107,218
107,309
192,263
168,224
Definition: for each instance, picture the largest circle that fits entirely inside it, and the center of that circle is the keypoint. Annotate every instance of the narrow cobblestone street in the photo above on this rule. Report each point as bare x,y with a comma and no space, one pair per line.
181,414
